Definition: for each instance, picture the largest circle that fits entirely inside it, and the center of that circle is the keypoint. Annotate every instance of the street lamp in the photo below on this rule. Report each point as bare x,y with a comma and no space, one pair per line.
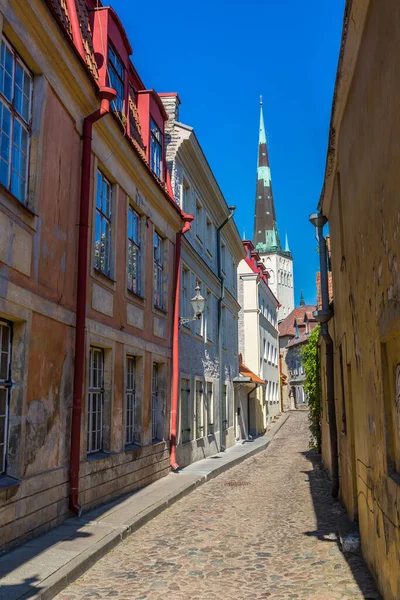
198,304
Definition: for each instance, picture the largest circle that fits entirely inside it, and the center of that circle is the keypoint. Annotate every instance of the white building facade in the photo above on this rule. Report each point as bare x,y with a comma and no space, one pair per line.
258,342
201,408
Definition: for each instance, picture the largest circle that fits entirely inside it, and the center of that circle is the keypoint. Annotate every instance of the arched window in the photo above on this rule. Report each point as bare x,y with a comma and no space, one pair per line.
271,276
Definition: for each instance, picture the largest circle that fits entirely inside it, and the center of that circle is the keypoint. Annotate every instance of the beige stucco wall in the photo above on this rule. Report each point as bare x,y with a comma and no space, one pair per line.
364,222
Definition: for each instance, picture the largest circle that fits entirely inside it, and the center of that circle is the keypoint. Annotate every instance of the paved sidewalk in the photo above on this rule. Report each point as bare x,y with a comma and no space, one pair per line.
46,565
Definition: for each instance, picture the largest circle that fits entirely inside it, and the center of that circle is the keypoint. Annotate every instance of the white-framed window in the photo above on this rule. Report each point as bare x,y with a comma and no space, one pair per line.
186,425
102,235
15,121
185,196
158,271
95,400
154,401
209,236
209,316
199,221
223,257
131,426
155,149
5,390
134,262
223,326
200,322
116,76
199,415
209,401
185,286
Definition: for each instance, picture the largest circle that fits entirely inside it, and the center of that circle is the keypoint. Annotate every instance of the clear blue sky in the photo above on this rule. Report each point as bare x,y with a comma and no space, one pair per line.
220,56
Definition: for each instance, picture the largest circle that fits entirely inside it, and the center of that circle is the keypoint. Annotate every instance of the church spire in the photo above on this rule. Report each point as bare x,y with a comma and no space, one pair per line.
287,249
266,236
302,302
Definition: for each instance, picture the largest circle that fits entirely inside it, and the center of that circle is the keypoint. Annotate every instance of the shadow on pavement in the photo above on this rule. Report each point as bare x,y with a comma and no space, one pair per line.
328,511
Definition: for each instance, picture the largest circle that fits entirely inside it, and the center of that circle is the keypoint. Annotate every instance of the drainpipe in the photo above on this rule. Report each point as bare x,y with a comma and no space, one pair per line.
220,300
248,409
107,95
175,342
75,27
323,316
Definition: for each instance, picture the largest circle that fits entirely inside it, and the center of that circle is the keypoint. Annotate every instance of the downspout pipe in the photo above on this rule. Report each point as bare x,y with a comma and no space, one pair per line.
107,95
248,409
75,27
175,343
220,302
324,316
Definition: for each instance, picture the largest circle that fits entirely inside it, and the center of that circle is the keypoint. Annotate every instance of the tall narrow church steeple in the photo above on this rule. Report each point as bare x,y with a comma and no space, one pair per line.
266,235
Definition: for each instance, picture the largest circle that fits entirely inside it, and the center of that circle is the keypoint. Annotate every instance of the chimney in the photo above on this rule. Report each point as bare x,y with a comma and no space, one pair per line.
171,103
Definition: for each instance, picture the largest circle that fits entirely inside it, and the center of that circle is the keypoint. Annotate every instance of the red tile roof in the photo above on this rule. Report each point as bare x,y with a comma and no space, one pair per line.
287,326
245,371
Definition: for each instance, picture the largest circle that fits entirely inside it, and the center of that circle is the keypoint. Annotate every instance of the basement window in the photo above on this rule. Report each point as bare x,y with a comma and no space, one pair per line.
5,390
15,121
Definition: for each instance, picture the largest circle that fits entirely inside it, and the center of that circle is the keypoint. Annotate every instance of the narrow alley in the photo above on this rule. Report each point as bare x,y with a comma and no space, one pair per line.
264,529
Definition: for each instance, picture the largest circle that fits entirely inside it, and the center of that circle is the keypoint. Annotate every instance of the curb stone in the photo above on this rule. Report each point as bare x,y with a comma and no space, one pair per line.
68,573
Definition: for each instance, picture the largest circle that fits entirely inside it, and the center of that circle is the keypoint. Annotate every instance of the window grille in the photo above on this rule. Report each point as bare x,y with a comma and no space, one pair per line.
116,75
95,400
102,243
5,390
131,426
154,402
134,252
155,149
15,121
158,271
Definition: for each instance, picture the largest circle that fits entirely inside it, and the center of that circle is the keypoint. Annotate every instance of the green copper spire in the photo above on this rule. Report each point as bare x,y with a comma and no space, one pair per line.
302,303
287,249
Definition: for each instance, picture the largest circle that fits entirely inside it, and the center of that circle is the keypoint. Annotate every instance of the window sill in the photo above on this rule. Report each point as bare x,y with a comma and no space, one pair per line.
208,253
135,296
130,448
18,208
7,482
160,311
103,278
199,240
96,456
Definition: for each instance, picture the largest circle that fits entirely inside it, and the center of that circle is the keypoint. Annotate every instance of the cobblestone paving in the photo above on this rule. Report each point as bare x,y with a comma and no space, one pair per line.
264,529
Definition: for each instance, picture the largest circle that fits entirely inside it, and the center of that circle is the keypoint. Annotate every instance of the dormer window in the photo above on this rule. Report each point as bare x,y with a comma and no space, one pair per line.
155,148
116,75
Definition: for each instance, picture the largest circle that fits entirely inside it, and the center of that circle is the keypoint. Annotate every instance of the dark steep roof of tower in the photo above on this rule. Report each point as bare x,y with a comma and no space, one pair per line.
266,235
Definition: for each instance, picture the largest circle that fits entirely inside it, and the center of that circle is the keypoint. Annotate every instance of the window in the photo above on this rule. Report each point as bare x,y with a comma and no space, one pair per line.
5,390
210,407
116,75
185,197
134,252
102,241
15,116
224,407
209,316
223,326
95,400
209,236
158,274
131,427
223,257
200,322
186,429
184,308
155,149
199,221
154,402
199,416
234,275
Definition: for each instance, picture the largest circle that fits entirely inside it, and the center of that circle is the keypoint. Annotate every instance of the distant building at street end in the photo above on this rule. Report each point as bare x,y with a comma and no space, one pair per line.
206,397
258,346
294,332
277,258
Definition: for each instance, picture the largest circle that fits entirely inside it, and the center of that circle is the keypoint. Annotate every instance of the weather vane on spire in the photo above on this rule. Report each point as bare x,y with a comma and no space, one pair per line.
260,100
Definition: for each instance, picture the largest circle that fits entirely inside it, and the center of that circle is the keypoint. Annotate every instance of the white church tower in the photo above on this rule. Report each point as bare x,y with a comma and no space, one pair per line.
278,261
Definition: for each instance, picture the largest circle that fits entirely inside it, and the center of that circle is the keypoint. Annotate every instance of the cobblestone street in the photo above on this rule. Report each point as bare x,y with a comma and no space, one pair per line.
264,529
